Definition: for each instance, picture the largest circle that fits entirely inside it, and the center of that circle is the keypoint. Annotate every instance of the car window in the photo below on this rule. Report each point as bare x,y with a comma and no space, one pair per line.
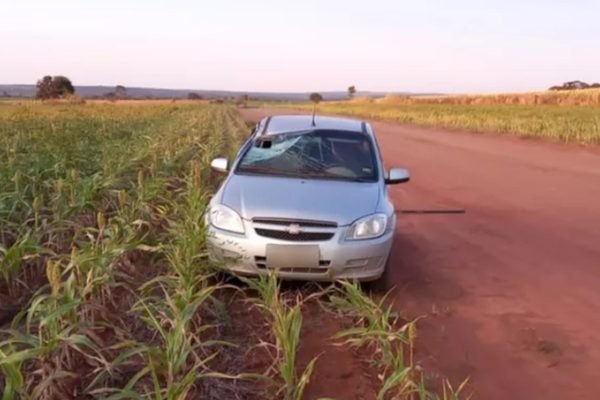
327,154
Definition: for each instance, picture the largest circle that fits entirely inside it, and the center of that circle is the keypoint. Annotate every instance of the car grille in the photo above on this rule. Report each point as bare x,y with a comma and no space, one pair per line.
297,237
304,223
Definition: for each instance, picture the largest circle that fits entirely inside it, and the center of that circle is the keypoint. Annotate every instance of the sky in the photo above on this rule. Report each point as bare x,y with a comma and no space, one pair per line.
458,46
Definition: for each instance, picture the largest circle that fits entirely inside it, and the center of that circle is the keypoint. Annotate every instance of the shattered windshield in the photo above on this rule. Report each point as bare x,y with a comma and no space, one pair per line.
327,154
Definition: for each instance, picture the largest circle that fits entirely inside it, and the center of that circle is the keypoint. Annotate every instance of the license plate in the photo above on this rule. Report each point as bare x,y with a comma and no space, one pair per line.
292,256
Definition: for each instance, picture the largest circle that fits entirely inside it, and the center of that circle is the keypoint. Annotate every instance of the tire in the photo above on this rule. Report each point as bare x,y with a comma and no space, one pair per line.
382,284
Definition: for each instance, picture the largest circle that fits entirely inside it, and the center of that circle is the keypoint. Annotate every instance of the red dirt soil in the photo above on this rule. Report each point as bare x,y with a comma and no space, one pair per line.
340,371
511,289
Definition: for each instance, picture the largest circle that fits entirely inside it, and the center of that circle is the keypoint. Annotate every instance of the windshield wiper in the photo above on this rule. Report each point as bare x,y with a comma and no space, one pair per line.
266,171
358,179
302,174
255,169
326,175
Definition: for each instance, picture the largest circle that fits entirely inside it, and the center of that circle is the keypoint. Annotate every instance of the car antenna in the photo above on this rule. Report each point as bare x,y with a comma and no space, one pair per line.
313,115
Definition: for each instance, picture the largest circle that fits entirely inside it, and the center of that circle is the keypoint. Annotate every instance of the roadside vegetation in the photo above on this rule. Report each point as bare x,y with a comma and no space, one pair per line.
575,124
558,97
105,288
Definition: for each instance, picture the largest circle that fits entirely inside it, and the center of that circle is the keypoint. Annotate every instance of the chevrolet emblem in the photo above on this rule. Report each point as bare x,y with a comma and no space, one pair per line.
294,229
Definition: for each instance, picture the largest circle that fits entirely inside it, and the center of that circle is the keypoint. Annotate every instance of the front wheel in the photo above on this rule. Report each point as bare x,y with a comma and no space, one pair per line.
384,283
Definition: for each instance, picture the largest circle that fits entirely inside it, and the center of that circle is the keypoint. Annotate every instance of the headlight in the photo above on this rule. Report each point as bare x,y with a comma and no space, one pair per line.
368,227
225,218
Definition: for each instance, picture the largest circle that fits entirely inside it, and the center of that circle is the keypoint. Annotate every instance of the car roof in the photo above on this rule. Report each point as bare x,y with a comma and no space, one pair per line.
289,123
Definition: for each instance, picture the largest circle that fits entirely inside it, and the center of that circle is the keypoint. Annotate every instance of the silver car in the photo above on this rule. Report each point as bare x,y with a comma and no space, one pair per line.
305,196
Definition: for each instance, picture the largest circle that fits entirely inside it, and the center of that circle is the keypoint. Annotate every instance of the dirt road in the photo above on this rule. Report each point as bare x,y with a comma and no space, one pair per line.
511,289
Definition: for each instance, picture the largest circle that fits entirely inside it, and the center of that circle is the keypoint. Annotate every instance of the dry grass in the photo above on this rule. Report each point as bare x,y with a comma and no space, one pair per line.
587,97
146,102
576,124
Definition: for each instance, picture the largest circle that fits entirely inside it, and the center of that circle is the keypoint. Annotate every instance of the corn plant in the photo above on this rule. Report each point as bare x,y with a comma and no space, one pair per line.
51,334
178,361
286,323
131,179
13,377
24,248
393,347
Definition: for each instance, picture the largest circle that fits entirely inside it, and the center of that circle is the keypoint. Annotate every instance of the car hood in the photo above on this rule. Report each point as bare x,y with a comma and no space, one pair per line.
293,198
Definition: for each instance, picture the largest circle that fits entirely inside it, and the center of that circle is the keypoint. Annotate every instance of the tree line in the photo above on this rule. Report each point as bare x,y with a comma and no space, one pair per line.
576,85
59,86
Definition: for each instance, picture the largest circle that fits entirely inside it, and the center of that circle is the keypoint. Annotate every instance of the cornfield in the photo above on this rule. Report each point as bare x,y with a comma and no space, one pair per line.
538,116
106,290
586,97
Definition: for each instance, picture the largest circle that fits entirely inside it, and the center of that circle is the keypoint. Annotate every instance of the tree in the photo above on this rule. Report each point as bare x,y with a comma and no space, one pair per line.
351,91
120,92
111,96
315,98
62,86
194,96
572,85
54,87
44,88
243,100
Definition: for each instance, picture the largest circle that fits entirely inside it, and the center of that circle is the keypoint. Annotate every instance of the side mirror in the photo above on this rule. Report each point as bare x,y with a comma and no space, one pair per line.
220,164
397,175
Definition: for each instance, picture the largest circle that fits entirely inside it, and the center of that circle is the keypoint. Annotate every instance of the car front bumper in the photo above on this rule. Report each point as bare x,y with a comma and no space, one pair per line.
246,254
